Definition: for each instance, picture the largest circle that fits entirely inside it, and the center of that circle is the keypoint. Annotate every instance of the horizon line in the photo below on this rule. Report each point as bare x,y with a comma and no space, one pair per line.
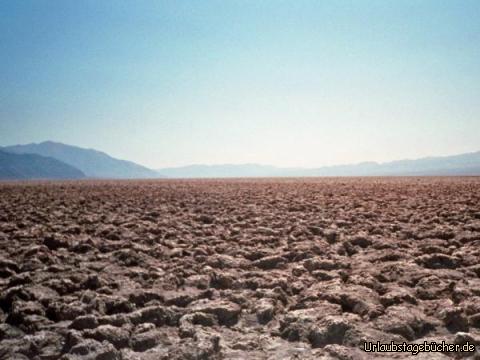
246,163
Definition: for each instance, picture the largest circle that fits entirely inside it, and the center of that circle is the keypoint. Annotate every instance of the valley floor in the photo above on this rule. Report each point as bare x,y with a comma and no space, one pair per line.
238,269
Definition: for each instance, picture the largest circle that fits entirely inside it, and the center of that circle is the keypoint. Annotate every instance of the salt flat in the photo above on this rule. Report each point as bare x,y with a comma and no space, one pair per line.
237,269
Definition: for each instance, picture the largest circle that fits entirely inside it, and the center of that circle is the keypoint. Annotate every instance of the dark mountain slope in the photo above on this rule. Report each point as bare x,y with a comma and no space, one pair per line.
93,163
32,166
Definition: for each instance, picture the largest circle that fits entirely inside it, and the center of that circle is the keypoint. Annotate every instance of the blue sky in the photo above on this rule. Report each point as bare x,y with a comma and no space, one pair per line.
289,83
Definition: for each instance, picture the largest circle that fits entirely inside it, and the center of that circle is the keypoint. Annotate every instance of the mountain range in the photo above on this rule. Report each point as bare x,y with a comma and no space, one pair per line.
53,160
33,166
93,163
464,164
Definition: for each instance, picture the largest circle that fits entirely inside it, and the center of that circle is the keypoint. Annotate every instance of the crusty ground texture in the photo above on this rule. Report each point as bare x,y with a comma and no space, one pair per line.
237,269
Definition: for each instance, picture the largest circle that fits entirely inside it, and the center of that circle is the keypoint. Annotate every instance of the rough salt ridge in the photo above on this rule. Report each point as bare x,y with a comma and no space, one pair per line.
237,269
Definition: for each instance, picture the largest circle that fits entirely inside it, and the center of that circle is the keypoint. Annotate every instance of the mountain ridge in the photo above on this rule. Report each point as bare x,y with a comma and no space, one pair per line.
93,163
33,166
459,164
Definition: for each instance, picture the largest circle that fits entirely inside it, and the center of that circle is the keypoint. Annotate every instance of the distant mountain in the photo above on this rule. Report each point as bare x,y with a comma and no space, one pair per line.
92,163
464,164
32,166
56,160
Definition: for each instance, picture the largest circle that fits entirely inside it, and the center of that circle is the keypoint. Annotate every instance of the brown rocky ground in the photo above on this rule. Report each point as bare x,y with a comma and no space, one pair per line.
237,269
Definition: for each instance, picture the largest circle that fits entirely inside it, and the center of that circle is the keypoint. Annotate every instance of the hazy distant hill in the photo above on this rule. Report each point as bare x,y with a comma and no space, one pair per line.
96,164
91,162
32,166
464,164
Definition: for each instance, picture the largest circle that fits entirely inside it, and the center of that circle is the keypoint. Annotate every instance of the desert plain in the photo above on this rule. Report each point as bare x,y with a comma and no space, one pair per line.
238,269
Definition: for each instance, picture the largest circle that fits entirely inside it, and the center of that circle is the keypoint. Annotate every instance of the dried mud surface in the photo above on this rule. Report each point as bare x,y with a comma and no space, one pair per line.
237,269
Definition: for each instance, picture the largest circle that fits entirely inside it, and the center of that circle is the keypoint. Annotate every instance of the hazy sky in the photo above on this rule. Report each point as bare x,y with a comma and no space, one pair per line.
293,83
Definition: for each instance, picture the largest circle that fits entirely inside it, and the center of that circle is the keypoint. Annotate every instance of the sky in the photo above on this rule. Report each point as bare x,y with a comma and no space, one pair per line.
287,83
